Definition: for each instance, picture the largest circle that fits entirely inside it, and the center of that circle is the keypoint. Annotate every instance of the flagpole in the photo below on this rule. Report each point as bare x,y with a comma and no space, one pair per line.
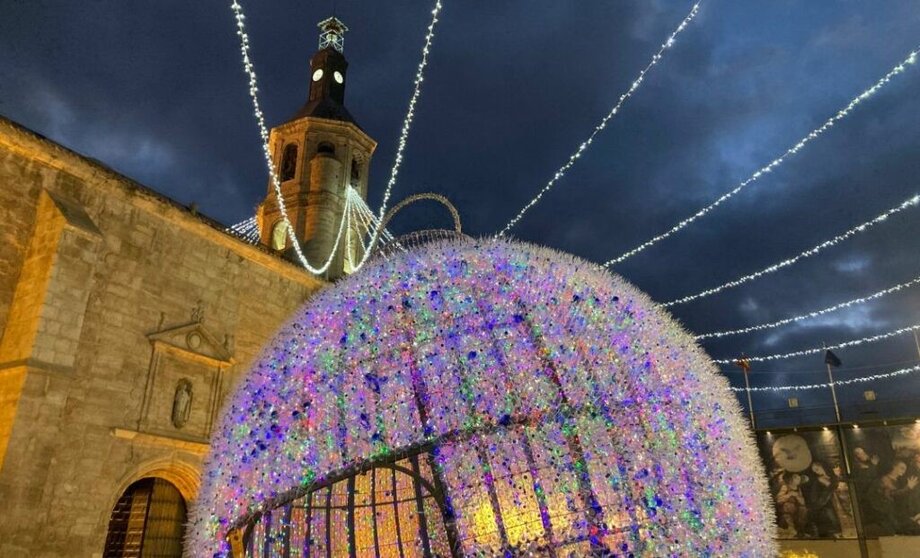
917,342
830,380
831,358
745,366
857,515
747,388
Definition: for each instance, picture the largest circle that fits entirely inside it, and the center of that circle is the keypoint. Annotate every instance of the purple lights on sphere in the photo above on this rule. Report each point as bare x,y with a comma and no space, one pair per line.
521,400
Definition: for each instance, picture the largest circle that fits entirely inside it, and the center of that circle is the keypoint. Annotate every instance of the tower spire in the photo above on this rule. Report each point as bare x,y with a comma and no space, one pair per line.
332,34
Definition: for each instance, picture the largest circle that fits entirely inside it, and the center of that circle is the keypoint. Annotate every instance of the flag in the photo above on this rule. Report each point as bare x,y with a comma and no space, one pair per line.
831,359
744,364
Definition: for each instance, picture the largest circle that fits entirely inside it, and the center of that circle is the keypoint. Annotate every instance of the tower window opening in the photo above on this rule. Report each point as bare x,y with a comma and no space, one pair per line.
326,148
289,162
355,171
279,236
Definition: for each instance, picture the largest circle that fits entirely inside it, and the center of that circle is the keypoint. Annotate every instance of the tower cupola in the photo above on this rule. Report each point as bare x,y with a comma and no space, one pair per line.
328,66
328,73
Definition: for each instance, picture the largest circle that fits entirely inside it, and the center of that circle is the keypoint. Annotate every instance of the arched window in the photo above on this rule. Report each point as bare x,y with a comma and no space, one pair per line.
326,148
280,235
289,162
148,520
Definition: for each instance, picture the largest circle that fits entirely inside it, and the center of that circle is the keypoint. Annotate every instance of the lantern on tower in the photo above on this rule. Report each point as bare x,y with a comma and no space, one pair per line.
482,398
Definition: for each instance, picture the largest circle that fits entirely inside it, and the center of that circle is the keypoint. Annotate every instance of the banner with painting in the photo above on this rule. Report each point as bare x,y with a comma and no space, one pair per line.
885,462
809,492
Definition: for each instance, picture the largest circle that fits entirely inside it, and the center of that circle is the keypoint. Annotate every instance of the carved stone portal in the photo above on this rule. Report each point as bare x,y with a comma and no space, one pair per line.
185,383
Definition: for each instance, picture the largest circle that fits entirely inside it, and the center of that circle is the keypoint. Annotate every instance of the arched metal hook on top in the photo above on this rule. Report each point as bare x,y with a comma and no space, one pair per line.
418,238
455,215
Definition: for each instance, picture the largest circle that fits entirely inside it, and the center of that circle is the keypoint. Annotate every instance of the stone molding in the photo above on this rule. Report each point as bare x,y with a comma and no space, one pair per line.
198,447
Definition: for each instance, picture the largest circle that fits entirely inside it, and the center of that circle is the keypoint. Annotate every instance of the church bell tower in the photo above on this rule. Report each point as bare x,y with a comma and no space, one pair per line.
318,155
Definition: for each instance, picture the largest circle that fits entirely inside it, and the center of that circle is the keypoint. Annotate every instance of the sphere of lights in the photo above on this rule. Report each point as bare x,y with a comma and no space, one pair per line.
556,405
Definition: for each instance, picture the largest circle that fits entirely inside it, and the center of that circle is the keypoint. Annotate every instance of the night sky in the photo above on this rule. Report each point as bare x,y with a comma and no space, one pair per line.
156,91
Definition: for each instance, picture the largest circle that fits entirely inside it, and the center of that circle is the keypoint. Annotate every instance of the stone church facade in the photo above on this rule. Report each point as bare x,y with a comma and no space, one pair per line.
126,319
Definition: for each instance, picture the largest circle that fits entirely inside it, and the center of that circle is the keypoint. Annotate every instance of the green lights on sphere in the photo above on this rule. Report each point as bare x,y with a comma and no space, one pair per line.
546,403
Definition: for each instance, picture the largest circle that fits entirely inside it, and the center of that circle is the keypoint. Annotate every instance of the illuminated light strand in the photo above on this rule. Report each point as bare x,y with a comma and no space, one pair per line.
361,221
816,350
365,211
617,355
815,314
272,173
603,124
348,240
368,218
247,230
909,203
863,379
407,125
735,369
900,68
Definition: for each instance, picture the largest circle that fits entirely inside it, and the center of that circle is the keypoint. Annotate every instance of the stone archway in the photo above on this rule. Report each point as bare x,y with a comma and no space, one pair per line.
184,475
147,521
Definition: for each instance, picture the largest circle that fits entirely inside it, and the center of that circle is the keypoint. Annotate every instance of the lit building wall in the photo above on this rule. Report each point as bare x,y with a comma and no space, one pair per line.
125,319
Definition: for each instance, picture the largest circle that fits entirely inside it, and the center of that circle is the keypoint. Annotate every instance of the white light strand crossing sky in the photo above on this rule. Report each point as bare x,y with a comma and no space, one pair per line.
816,350
603,124
407,125
815,314
860,380
909,203
273,175
900,68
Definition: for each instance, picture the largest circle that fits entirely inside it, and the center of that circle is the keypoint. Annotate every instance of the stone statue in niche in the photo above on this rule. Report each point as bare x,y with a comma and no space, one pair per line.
182,403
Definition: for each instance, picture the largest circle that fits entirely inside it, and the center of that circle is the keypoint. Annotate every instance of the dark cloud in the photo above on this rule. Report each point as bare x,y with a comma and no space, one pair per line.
156,90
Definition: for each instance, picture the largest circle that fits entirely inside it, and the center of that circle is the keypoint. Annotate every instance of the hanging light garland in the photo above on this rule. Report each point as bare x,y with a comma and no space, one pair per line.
407,125
900,68
247,230
907,204
816,350
863,379
815,314
603,124
272,173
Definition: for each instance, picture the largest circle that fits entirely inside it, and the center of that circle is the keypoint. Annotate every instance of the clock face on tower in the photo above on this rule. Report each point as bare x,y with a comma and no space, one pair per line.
338,77
318,75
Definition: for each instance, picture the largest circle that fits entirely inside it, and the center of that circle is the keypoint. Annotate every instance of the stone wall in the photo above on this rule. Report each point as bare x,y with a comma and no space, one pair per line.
110,295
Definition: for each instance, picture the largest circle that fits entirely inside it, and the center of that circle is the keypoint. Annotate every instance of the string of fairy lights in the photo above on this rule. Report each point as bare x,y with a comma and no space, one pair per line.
818,350
826,385
669,42
358,219
269,161
266,150
810,315
909,203
407,125
772,165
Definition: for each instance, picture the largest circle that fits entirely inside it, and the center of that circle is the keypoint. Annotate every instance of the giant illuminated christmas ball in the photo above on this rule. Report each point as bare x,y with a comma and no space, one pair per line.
482,398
